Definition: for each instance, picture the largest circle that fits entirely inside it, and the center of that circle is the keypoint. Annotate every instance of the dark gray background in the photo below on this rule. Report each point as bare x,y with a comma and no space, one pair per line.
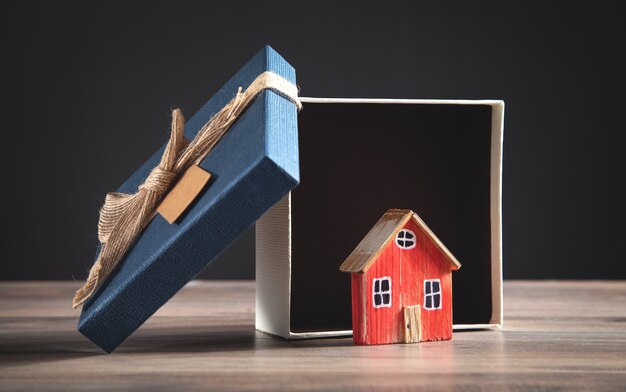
87,89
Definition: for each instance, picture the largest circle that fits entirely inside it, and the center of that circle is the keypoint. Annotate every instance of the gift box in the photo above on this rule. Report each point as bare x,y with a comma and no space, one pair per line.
358,158
252,167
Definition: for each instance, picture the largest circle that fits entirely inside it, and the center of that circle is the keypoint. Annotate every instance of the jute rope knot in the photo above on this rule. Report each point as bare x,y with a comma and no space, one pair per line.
124,216
159,180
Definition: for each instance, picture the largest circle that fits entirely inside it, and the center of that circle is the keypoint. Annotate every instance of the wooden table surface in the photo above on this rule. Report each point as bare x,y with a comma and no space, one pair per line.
557,335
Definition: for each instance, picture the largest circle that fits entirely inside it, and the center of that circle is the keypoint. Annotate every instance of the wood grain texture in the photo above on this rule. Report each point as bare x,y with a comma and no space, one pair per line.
374,243
406,271
557,336
427,262
368,250
412,324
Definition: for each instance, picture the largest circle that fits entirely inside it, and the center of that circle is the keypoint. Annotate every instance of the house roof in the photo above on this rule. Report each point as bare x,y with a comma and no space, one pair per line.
387,227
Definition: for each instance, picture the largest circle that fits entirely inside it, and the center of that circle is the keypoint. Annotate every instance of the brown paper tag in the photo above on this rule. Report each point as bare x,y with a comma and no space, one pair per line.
183,193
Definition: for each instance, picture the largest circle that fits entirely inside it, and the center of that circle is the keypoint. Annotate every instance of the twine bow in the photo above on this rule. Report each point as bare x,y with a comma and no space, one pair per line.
123,217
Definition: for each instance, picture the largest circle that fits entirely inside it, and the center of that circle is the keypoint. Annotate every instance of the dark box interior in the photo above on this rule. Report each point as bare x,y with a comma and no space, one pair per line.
359,159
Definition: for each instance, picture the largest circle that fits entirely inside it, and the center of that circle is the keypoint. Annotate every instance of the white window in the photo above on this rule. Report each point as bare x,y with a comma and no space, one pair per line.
381,290
432,294
405,239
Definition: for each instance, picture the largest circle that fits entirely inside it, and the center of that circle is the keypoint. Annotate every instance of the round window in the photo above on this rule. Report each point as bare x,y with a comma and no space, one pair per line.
405,239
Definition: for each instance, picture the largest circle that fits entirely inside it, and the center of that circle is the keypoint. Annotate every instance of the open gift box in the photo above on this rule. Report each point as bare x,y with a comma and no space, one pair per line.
358,158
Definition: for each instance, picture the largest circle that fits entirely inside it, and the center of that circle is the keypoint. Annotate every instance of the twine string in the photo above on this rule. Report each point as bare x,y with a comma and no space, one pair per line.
124,216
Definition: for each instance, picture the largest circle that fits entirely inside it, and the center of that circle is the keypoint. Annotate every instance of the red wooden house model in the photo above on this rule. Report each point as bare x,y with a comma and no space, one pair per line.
401,282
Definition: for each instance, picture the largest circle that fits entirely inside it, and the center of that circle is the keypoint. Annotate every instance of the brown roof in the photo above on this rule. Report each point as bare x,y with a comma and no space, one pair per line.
387,227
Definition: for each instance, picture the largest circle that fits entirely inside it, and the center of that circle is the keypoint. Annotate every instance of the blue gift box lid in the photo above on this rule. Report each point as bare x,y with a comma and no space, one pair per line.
252,168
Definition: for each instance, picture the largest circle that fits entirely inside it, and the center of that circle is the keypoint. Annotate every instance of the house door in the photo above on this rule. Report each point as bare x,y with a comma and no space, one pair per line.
412,324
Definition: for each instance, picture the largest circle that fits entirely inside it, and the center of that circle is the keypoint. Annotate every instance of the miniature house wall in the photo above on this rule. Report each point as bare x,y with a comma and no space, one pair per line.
401,282
359,157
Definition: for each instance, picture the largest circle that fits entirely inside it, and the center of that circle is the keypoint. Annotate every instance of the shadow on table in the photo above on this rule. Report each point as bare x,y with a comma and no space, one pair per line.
57,345
216,339
45,342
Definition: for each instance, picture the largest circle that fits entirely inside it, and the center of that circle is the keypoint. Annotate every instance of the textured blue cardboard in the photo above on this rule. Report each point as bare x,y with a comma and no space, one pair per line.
252,167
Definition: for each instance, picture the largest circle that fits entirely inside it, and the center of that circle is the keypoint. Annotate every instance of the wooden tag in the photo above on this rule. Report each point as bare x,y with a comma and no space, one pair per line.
184,193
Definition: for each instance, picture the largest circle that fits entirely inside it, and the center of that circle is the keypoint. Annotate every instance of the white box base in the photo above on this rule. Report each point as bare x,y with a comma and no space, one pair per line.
274,237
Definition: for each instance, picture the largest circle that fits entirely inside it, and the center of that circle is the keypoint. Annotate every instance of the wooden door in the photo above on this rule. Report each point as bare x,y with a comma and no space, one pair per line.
412,324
